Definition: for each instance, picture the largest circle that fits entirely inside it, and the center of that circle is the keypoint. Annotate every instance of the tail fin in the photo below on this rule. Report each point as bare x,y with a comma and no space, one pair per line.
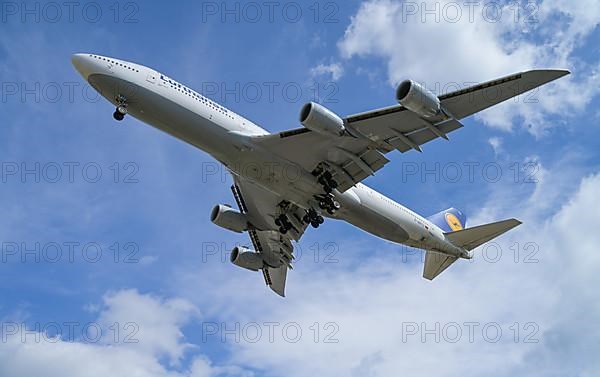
449,220
436,263
470,238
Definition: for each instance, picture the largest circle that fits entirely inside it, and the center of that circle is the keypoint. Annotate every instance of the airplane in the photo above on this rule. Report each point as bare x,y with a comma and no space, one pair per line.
284,182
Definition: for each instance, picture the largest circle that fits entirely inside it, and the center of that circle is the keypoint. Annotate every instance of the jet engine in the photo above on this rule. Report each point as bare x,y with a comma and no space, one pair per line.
417,99
318,118
228,218
246,258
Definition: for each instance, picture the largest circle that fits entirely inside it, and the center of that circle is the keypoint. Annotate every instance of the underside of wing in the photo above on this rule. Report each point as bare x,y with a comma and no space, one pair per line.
474,99
271,247
360,150
359,155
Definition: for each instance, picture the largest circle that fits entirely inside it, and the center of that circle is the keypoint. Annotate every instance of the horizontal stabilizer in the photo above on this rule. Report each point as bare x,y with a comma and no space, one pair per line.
436,263
470,238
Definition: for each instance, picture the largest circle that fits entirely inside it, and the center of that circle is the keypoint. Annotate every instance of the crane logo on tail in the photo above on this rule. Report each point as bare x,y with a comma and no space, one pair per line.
453,222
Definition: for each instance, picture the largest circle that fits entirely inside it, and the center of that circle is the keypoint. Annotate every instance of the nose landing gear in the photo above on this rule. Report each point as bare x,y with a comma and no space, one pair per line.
121,110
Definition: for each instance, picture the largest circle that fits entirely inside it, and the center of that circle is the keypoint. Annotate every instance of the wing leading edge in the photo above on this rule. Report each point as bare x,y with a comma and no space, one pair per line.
377,132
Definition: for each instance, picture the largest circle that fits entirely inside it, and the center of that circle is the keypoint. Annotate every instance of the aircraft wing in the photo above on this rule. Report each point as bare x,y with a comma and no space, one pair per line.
378,132
262,207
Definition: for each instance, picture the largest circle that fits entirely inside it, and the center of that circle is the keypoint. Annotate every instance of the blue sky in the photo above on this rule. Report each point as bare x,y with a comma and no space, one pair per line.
106,225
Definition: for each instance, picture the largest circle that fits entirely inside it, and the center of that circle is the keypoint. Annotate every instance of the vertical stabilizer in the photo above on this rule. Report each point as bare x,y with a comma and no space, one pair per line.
449,220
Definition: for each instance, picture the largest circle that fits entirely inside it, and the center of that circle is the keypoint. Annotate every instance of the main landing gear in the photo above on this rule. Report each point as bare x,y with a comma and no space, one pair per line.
327,181
313,218
310,217
328,203
121,110
283,223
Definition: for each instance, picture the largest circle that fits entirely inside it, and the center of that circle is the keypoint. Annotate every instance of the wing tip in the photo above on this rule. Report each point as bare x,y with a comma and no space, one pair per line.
560,72
516,222
279,293
554,73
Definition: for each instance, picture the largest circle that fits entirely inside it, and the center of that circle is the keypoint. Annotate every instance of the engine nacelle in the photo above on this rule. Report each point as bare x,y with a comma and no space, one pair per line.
228,218
246,258
320,119
417,99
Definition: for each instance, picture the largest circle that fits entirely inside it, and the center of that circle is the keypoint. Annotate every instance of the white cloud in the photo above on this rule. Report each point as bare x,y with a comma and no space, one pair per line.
157,334
334,70
159,322
496,143
543,282
148,259
458,51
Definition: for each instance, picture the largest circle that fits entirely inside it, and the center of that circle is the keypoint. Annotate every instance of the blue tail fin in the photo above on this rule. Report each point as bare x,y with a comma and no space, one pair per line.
449,220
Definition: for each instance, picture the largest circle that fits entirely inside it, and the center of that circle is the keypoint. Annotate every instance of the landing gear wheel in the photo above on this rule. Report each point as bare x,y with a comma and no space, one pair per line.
315,224
122,109
283,223
320,220
118,116
326,180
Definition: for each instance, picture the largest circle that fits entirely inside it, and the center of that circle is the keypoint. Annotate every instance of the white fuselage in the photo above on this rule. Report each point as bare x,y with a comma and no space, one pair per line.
177,110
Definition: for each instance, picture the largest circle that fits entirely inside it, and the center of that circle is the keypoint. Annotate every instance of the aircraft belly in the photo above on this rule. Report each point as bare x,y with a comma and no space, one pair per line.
276,175
365,218
164,114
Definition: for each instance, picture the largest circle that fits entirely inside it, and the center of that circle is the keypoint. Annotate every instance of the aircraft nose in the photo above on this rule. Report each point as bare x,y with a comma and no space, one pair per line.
83,64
